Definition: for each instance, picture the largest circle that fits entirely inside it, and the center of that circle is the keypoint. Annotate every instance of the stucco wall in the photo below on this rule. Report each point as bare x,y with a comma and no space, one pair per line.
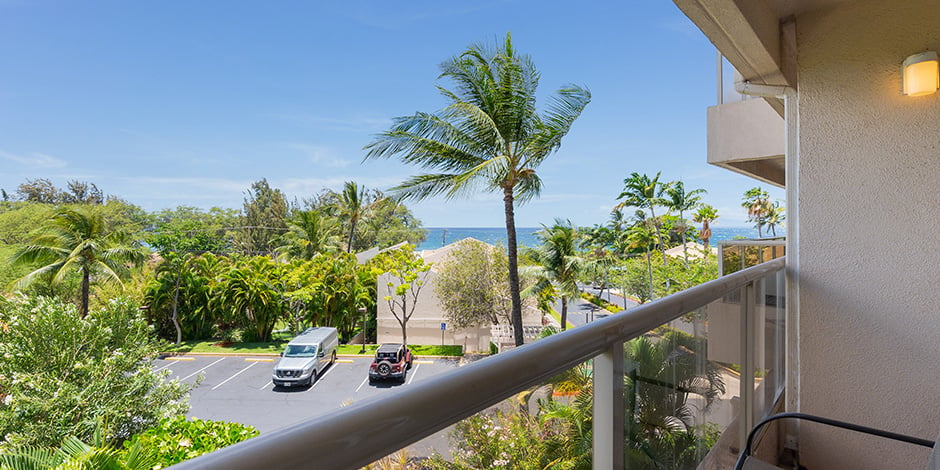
869,239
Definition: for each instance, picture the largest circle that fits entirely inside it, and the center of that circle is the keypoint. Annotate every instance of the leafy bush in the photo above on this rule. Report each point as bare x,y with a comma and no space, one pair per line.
177,439
61,373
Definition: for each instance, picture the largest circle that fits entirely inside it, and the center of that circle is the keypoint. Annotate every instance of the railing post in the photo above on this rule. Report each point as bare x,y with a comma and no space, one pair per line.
746,416
608,409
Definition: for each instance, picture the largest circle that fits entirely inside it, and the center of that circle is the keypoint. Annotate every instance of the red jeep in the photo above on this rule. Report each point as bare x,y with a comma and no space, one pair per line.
392,361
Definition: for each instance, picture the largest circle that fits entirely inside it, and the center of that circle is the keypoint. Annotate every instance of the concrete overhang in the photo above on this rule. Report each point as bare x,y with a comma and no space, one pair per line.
748,137
758,37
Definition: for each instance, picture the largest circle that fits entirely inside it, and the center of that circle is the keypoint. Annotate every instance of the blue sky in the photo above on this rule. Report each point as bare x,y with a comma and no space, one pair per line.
187,103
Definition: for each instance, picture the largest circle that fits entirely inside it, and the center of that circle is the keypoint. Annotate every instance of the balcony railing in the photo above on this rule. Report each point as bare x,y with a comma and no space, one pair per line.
734,322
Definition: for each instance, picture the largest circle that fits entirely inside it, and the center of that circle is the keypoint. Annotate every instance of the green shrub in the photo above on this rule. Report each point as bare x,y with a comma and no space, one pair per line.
60,374
177,439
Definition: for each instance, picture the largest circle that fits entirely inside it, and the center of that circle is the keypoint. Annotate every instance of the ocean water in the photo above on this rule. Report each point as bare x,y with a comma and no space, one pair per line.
525,236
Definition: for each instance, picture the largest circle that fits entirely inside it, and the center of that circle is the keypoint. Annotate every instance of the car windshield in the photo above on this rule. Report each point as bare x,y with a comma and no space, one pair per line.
299,350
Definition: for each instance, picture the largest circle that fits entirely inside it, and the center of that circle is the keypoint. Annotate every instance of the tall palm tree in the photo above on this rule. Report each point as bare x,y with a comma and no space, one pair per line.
352,208
489,136
678,199
78,239
644,192
558,264
705,215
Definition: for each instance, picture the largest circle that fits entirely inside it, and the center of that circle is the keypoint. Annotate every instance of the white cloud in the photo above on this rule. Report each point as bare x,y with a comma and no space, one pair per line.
35,160
318,154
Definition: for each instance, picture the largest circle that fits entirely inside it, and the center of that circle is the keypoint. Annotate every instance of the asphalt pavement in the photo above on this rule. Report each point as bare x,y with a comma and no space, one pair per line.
239,389
581,312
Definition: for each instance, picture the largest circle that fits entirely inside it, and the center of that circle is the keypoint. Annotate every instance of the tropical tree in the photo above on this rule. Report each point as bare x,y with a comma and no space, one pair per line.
78,239
265,217
680,200
472,285
352,208
558,264
640,236
252,288
404,273
310,233
489,136
643,192
705,215
757,203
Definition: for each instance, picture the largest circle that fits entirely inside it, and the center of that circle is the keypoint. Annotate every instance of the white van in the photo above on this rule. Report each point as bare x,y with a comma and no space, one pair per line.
306,356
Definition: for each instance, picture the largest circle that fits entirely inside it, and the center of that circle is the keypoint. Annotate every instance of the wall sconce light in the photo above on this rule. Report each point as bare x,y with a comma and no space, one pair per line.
920,74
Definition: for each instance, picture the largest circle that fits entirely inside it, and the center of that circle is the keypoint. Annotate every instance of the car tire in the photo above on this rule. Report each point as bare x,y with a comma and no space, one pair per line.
404,376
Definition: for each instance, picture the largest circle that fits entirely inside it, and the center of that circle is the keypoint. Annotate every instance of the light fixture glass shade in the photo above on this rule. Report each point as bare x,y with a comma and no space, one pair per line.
921,74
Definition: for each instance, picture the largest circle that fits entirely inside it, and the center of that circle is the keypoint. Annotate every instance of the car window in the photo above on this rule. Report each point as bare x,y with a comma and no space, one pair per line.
300,350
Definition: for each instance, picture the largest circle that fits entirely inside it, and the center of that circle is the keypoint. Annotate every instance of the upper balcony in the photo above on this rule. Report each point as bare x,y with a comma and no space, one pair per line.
746,135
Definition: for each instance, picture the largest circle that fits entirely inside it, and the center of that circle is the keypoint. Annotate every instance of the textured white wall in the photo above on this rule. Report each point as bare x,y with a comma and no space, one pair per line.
870,241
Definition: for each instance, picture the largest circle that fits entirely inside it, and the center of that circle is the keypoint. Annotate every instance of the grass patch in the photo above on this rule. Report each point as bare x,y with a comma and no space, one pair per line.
277,346
213,346
557,317
613,308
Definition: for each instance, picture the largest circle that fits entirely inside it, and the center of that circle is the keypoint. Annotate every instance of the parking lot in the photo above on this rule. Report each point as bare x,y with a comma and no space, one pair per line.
239,389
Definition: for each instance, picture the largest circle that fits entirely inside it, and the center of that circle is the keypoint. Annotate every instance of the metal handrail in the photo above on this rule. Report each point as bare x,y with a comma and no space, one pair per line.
364,432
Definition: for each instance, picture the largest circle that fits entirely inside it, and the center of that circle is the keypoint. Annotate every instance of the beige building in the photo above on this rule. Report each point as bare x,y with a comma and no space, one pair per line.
861,165
425,324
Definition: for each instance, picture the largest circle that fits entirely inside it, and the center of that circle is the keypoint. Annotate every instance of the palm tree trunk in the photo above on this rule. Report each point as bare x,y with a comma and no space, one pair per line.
564,313
706,233
513,256
649,268
659,235
86,280
176,301
352,231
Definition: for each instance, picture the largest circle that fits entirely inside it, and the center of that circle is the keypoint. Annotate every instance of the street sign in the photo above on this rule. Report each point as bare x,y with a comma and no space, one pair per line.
443,326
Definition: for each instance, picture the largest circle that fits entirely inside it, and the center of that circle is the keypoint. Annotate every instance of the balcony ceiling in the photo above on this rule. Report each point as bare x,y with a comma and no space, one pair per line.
786,8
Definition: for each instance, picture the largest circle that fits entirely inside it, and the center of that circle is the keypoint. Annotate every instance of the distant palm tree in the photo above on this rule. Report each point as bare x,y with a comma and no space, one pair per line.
310,233
352,207
557,264
78,239
681,201
490,136
644,192
775,216
640,235
757,203
705,215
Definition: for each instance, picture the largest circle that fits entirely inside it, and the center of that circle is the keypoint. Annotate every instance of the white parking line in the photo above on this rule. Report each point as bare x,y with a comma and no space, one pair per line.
360,385
413,373
232,377
320,378
266,385
164,367
200,370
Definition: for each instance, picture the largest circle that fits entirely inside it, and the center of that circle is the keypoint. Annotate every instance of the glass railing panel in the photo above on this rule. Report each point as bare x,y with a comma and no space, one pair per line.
681,388
541,426
769,328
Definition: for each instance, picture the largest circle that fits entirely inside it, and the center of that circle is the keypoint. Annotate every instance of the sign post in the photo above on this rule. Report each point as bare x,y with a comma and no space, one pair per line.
443,327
